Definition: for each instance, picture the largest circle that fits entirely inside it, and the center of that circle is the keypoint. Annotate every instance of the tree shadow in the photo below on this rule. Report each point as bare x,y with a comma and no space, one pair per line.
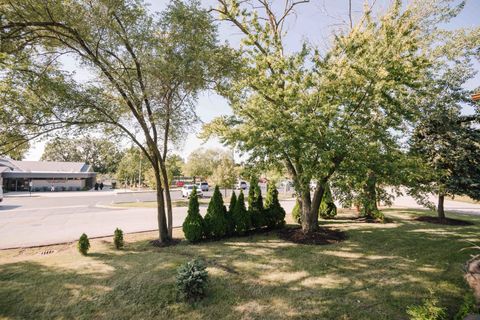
8,207
375,274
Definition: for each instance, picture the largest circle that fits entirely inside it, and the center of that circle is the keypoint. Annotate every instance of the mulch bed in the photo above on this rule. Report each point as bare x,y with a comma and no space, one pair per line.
446,221
321,237
170,243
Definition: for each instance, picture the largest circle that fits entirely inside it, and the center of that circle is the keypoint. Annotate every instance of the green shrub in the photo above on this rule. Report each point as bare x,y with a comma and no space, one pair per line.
429,310
193,227
467,307
229,215
83,244
118,238
255,205
297,212
251,192
241,215
215,220
233,200
275,214
328,209
192,280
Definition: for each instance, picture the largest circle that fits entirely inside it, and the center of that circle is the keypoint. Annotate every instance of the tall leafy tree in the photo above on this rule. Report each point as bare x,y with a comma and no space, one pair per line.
133,168
448,143
174,164
147,71
201,163
102,154
13,144
224,174
310,110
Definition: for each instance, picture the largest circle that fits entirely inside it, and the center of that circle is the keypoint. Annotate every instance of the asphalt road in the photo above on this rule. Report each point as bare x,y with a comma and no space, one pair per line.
49,218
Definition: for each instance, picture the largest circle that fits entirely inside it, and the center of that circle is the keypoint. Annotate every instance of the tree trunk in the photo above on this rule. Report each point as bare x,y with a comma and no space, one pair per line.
163,235
309,213
440,209
370,201
169,200
318,196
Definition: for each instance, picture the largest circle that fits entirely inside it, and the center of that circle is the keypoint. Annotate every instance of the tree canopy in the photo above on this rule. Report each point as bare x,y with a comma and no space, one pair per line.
311,111
202,163
102,154
135,91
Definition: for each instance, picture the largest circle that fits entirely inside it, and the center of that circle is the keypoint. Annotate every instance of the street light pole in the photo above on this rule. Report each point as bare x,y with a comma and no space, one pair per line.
140,174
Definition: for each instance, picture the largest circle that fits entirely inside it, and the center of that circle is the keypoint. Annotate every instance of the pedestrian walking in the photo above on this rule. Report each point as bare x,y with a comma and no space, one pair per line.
96,186
101,185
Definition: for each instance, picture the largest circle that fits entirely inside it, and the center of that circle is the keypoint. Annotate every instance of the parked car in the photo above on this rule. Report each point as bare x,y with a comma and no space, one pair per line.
180,184
203,186
313,185
188,189
1,193
242,185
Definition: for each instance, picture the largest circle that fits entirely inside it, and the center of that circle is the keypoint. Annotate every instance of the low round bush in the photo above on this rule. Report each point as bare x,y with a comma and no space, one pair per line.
192,280
118,238
83,244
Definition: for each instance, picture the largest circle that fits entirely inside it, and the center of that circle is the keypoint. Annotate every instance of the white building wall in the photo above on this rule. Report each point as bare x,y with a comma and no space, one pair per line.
58,184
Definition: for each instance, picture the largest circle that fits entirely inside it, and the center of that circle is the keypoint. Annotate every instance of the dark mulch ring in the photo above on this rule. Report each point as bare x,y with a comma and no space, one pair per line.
170,243
321,237
446,221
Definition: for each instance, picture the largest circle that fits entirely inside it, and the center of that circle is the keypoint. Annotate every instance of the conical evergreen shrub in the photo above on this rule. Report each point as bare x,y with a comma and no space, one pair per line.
327,209
229,214
215,220
241,215
233,200
255,205
297,212
274,213
193,226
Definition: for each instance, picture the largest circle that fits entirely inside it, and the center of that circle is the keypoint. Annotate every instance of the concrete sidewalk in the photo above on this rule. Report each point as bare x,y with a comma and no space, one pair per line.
23,229
450,205
64,221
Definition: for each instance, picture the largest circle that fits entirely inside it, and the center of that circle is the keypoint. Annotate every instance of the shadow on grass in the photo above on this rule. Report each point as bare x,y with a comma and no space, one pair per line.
375,274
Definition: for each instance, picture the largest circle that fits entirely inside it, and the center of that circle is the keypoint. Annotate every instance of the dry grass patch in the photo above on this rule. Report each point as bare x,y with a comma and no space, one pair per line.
375,274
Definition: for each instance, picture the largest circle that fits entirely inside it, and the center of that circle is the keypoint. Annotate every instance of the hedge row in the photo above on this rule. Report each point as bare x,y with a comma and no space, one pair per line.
236,220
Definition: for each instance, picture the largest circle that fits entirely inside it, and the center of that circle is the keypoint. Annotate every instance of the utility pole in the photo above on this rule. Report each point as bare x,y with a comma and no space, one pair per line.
140,174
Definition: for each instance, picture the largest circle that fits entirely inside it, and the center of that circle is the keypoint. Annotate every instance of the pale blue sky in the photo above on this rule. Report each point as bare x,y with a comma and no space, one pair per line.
314,22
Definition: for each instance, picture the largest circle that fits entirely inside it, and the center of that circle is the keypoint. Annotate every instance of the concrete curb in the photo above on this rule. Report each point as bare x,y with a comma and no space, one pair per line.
105,206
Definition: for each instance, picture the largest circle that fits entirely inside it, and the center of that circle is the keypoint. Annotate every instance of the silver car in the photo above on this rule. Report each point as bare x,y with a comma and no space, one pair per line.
242,185
203,186
188,189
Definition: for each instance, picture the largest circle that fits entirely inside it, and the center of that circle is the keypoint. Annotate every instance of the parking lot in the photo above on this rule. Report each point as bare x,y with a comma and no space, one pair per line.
48,218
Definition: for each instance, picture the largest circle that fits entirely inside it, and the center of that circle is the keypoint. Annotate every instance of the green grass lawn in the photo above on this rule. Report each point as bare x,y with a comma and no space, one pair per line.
375,274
